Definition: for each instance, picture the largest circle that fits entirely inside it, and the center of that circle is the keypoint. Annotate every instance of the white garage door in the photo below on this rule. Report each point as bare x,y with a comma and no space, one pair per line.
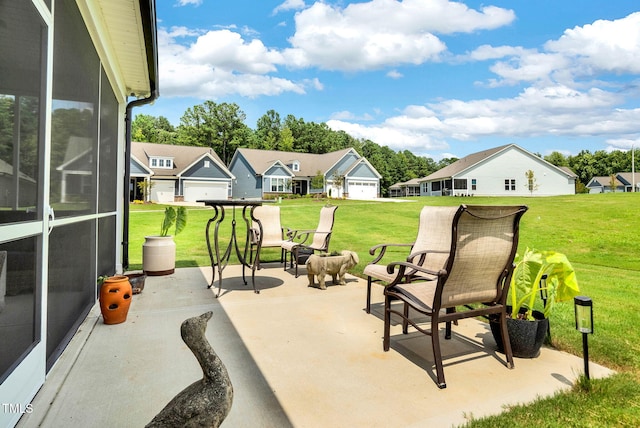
162,191
363,190
198,190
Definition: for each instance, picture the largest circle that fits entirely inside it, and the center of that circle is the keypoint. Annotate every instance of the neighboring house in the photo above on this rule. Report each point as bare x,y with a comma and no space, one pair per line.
623,182
178,173
630,180
18,189
71,73
76,168
264,173
407,188
499,172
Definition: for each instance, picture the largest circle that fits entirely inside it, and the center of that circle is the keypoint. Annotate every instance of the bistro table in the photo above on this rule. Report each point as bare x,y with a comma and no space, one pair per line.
220,257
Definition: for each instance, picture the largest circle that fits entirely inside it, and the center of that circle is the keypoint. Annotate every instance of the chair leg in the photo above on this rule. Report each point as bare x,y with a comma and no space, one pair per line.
405,323
285,258
387,323
368,308
437,353
506,342
447,326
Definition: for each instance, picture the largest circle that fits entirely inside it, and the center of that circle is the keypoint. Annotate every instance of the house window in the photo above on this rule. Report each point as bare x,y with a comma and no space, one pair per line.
278,184
296,166
435,186
460,183
510,184
473,184
164,163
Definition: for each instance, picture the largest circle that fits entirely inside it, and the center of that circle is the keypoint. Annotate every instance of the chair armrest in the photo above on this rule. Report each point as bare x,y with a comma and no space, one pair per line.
290,234
325,242
300,235
423,254
421,257
403,266
383,249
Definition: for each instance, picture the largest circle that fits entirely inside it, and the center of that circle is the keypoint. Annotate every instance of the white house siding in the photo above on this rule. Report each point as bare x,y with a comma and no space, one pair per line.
512,164
491,174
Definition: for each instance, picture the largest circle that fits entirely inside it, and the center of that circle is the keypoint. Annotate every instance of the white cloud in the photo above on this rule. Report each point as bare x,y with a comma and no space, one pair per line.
487,52
558,111
289,5
229,51
557,101
601,47
624,143
604,45
558,91
395,138
529,67
188,2
220,63
347,115
179,31
361,36
358,37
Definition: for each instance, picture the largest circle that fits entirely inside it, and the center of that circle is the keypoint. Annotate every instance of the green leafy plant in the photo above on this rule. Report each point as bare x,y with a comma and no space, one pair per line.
560,284
171,217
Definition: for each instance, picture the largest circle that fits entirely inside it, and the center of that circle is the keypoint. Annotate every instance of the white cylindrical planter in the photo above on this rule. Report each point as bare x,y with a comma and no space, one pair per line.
158,255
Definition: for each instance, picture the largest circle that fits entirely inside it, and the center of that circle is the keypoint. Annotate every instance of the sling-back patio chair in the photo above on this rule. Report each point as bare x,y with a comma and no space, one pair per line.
430,249
269,229
310,241
474,281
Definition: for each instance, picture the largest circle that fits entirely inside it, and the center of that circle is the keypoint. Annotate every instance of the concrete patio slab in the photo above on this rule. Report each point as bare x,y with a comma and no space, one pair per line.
297,356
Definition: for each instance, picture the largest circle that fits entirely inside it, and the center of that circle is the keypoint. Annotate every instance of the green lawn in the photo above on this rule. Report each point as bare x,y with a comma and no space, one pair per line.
598,233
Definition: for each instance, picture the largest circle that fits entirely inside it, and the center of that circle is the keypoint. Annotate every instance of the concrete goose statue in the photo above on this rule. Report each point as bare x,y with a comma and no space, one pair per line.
206,402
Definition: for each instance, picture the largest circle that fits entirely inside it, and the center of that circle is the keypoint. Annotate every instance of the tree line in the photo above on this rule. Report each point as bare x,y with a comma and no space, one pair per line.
222,127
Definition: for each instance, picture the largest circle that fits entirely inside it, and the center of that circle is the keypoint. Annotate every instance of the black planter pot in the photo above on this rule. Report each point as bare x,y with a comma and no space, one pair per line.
137,281
526,336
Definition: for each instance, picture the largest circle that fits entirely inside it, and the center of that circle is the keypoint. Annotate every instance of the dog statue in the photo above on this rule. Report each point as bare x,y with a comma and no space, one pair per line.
325,264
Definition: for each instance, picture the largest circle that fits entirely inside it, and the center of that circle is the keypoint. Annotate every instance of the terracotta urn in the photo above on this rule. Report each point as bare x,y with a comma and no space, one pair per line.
115,299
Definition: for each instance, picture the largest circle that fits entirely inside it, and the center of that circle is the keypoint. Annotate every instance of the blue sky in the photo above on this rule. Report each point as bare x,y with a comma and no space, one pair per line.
439,78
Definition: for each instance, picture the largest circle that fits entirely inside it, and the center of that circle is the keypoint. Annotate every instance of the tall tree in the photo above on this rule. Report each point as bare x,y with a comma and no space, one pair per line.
286,140
584,165
147,128
268,130
445,162
556,158
218,126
